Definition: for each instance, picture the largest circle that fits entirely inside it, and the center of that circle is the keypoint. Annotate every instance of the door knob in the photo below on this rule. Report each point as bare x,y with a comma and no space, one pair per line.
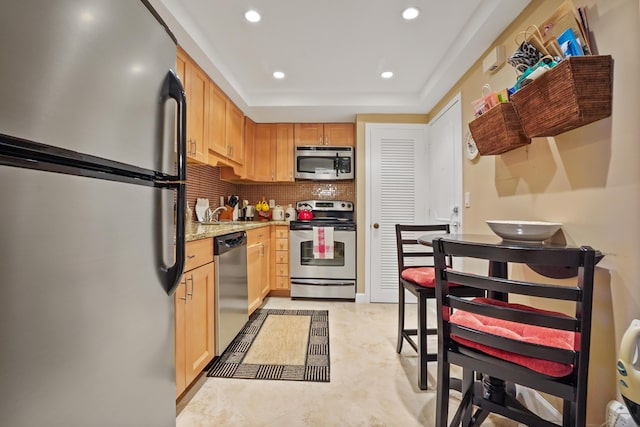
376,225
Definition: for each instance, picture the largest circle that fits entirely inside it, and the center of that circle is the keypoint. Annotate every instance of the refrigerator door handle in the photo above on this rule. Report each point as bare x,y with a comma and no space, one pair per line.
172,89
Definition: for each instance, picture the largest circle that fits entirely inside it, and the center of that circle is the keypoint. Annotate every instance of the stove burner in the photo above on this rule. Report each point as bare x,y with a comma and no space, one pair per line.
326,213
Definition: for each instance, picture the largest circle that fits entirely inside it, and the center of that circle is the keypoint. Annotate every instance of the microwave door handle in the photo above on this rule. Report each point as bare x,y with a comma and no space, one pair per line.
336,164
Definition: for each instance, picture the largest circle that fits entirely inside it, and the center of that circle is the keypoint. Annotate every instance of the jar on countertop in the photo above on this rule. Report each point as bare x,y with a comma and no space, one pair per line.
290,213
277,213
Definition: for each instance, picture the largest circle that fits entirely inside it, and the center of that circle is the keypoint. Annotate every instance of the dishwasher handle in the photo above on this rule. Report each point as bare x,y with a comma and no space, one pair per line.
229,242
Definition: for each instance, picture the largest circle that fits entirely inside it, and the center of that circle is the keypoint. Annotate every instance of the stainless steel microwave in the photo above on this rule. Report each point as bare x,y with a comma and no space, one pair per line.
322,162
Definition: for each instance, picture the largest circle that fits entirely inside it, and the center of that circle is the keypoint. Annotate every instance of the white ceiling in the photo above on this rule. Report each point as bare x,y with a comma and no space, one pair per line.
333,52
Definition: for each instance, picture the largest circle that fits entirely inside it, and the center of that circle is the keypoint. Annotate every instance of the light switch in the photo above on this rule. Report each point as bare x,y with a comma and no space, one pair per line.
467,199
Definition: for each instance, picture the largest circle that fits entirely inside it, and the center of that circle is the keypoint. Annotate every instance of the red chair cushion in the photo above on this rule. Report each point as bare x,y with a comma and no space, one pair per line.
517,331
423,276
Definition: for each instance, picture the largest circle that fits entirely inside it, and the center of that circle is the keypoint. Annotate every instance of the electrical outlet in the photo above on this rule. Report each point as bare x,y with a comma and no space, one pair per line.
618,415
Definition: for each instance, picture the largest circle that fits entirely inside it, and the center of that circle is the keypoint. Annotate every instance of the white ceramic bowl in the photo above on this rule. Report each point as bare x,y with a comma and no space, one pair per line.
529,231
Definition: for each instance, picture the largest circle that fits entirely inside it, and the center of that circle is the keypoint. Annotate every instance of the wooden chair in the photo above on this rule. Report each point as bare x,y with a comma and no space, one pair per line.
416,273
513,343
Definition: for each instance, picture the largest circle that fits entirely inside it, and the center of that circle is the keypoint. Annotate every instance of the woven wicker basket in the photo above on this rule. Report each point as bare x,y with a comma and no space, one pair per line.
575,92
498,130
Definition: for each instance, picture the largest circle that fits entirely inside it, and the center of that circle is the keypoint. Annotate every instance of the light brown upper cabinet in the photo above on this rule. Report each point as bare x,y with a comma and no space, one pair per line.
247,173
284,152
217,120
225,129
235,125
195,83
324,134
263,159
249,147
273,152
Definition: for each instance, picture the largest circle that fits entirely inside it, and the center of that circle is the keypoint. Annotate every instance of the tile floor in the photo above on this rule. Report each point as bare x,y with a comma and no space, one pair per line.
371,385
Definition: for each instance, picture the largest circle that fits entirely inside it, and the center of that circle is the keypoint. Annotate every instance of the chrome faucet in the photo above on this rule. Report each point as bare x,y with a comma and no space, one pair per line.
213,215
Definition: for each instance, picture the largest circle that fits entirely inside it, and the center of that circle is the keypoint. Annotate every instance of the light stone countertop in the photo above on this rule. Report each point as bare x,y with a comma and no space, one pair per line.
197,231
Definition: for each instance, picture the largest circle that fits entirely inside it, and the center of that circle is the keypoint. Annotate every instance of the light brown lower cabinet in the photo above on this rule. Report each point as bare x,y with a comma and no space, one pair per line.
194,314
280,253
258,249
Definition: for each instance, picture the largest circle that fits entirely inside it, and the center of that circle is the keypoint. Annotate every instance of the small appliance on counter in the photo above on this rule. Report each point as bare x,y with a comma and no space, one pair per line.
233,202
290,213
249,213
278,213
628,372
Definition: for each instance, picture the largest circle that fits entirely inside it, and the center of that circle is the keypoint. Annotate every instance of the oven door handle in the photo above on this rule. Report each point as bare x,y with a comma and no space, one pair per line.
317,283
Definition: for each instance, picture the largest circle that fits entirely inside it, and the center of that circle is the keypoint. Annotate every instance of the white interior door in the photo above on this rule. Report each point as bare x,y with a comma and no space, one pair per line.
445,167
397,192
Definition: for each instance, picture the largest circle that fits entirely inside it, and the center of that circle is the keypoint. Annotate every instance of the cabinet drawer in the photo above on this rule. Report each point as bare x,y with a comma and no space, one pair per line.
257,235
281,283
198,252
282,244
282,232
282,257
282,270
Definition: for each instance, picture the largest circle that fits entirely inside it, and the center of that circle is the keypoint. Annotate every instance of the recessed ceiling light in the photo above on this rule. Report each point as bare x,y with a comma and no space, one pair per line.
386,74
278,74
252,16
410,13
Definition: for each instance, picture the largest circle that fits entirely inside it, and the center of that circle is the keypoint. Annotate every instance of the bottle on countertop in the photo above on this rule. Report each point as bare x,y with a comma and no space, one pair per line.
188,216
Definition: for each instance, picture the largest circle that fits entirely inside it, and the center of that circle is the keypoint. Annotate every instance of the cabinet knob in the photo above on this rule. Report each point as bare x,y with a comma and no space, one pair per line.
376,225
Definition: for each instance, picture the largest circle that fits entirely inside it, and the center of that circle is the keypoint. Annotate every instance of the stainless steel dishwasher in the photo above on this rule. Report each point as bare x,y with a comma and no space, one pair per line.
231,293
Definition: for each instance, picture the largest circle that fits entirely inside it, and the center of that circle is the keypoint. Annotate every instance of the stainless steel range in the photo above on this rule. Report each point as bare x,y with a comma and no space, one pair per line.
318,274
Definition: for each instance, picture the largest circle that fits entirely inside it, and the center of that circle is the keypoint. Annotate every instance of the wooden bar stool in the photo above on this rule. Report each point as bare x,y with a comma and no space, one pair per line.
416,274
509,343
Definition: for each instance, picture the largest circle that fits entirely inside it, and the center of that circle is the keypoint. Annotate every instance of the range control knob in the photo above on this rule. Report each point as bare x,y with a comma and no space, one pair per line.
343,205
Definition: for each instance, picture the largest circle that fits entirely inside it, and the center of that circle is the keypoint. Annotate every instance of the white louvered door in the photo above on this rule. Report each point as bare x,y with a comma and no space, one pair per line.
397,190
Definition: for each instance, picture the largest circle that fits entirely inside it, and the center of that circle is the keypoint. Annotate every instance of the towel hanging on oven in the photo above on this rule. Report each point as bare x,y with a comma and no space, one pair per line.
323,242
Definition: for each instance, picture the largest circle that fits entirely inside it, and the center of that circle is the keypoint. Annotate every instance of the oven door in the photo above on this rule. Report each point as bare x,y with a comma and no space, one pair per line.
304,265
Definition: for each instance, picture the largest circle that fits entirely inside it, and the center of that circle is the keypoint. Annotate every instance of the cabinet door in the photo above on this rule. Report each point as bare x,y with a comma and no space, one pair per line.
262,156
338,134
266,265
197,87
254,275
180,301
284,153
309,134
217,120
199,320
235,127
249,148
180,66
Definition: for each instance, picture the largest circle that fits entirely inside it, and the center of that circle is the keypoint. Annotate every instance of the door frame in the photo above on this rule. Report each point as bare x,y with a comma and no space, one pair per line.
366,296
457,153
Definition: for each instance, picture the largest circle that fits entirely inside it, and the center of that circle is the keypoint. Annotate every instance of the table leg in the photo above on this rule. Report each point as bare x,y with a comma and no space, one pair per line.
494,388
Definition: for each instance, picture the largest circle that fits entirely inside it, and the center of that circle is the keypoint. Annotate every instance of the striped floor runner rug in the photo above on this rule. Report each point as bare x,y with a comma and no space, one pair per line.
278,345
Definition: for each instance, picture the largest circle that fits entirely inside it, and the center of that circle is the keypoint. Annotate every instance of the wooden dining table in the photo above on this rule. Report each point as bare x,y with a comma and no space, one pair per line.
499,269
494,388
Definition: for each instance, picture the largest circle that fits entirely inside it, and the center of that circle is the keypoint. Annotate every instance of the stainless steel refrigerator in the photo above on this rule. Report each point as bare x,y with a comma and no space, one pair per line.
92,132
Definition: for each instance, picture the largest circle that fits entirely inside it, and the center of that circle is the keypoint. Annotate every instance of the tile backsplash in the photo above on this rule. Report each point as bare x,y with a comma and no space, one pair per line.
204,181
